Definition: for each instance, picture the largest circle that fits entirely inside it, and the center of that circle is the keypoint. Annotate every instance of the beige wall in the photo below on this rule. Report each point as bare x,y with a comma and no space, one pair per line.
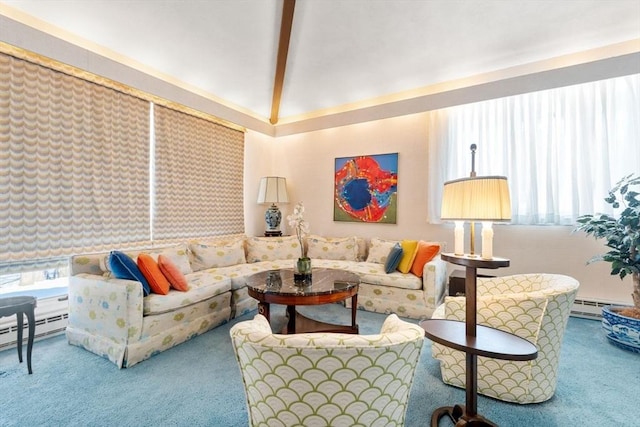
307,161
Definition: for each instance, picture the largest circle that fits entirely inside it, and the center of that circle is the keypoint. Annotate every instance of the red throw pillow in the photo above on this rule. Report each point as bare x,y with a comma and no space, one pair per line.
150,270
173,274
425,253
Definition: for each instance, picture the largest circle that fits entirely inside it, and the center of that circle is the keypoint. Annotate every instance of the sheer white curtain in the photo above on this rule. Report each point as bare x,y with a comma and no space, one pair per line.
561,149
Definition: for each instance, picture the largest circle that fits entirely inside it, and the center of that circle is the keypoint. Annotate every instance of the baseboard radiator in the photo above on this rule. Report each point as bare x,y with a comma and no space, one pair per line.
51,315
589,309
52,318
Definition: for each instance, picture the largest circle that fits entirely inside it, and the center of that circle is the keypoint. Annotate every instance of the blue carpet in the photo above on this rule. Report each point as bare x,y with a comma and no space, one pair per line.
198,384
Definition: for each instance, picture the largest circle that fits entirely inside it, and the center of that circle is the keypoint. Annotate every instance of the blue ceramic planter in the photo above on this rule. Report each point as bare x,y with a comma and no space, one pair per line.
623,332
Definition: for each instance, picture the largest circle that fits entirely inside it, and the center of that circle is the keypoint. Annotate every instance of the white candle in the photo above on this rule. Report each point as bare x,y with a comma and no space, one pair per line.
459,238
487,240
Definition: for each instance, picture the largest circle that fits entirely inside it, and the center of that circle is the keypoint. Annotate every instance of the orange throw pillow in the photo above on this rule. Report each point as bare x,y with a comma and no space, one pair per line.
150,270
425,253
173,274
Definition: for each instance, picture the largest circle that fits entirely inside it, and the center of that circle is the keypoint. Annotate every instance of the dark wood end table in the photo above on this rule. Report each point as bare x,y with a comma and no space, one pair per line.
326,286
475,340
21,306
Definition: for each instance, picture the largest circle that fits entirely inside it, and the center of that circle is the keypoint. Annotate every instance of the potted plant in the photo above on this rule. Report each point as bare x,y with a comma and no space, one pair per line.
297,222
622,235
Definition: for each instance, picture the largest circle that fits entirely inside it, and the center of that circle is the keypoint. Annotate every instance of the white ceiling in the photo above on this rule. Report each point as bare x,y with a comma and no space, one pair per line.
342,51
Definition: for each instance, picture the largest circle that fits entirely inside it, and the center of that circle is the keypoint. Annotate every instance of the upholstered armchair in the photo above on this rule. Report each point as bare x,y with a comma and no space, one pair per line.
322,379
533,306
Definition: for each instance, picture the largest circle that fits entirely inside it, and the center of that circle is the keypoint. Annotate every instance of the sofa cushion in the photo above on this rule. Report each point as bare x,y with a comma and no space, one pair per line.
340,248
149,268
172,273
272,248
217,254
202,285
409,250
425,253
393,259
123,267
379,250
374,274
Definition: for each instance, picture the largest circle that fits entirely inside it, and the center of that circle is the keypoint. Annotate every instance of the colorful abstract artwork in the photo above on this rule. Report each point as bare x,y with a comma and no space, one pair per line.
366,188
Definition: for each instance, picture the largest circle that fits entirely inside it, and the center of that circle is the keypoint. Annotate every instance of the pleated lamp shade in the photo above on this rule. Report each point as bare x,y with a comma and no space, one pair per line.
482,198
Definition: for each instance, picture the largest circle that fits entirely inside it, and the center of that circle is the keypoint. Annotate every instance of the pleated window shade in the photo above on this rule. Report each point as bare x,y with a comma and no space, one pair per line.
199,172
74,167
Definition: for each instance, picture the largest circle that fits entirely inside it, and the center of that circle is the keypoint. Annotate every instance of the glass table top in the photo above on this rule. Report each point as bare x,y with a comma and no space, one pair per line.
323,281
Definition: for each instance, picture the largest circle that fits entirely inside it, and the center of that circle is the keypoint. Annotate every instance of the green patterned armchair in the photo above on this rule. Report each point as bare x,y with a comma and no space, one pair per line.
327,379
533,306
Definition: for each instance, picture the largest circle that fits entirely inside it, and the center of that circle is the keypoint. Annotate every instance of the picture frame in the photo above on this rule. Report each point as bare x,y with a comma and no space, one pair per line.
366,188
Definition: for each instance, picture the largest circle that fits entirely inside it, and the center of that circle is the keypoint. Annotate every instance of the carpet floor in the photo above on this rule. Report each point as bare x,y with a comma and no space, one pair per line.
198,384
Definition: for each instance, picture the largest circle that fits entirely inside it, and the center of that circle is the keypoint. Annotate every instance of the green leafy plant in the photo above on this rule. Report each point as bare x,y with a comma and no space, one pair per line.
622,234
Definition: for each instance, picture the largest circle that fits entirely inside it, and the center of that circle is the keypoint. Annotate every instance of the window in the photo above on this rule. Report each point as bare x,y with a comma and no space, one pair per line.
561,149
84,168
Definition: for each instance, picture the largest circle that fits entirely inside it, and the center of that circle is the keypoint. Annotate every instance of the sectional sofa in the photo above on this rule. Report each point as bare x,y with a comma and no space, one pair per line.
112,317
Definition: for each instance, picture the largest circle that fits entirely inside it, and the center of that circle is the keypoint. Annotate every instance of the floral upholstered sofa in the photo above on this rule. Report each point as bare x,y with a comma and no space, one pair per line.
116,319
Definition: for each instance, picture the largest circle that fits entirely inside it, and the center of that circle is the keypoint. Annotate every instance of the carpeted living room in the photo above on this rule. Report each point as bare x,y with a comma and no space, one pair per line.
213,210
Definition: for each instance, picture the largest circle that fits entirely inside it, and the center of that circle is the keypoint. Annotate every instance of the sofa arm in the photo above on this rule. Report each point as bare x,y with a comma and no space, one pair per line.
108,307
434,282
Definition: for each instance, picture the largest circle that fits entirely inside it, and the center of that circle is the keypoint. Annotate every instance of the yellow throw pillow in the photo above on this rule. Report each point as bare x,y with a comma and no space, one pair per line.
409,250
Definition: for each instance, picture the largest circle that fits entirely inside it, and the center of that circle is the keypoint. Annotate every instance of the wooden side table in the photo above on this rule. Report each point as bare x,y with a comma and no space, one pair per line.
475,340
21,306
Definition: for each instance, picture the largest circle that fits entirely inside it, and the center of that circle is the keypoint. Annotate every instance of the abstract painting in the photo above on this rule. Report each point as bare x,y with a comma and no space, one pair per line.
366,188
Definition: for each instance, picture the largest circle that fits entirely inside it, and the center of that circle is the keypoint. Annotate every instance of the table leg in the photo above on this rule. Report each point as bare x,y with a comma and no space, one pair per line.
354,311
472,385
291,325
32,331
263,308
20,317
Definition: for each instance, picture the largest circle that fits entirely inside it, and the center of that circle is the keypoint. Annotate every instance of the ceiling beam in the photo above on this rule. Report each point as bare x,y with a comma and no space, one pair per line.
283,51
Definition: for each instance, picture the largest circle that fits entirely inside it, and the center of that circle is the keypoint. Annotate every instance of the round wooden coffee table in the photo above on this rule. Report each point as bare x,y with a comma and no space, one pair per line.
326,286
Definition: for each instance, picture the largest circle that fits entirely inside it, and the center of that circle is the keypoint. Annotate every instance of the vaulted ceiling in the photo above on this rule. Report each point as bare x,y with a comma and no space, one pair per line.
342,55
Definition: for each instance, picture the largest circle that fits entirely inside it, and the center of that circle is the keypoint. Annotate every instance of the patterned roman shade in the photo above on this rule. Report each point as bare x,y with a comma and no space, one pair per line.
74,167
199,172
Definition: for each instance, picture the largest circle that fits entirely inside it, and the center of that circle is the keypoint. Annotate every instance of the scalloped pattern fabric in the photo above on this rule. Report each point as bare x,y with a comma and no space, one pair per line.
327,379
533,306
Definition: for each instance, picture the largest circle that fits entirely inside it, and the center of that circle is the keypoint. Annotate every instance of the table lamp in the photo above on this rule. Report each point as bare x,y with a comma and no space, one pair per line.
273,189
482,198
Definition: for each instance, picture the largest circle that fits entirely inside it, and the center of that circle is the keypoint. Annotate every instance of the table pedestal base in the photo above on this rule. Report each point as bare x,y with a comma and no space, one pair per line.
459,417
